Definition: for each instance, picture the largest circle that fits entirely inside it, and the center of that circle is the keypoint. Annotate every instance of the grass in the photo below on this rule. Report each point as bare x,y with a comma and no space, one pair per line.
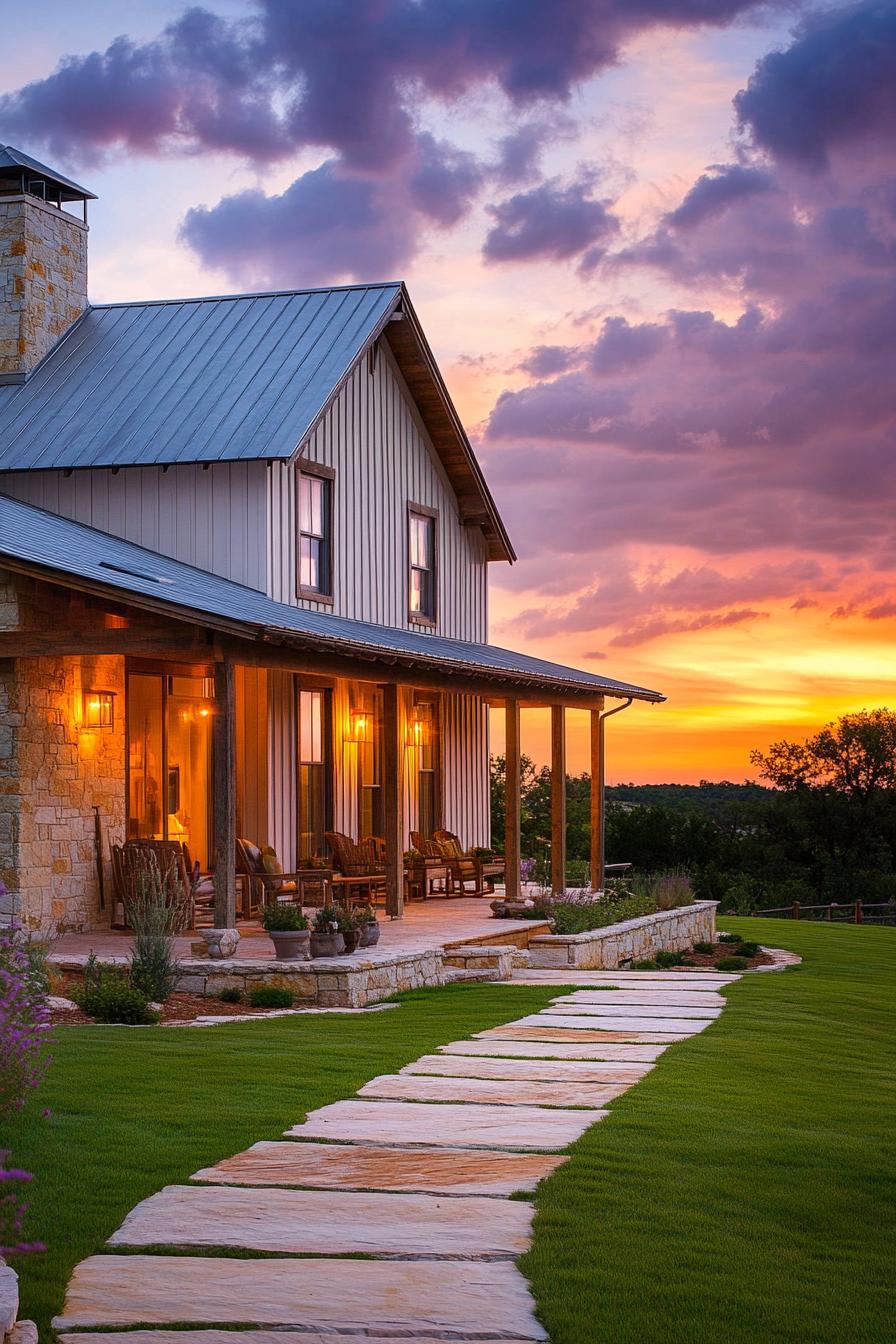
743,1191
133,1109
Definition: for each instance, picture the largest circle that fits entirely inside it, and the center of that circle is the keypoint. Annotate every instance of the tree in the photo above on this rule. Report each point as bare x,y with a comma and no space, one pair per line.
855,756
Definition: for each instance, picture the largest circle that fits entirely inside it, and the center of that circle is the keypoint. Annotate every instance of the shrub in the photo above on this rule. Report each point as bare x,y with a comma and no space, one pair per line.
283,917
107,995
154,911
672,890
231,995
327,919
665,958
730,938
271,996
363,914
747,950
705,949
732,964
644,966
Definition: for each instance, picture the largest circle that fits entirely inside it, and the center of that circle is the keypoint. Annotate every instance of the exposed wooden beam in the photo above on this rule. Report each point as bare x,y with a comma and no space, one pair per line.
393,801
558,800
224,793
512,791
138,641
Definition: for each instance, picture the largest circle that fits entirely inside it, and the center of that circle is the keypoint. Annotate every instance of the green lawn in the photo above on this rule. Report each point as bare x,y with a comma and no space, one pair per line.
744,1190
133,1109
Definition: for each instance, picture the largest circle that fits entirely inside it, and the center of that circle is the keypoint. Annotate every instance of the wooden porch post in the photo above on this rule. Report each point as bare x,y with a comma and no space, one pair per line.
224,793
597,801
393,801
512,853
558,800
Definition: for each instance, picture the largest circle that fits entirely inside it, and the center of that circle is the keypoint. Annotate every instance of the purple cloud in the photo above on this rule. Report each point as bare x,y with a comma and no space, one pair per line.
544,361
445,181
834,84
711,194
549,222
327,225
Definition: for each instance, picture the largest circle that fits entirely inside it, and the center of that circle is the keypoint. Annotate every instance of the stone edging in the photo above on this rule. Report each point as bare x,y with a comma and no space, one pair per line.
631,940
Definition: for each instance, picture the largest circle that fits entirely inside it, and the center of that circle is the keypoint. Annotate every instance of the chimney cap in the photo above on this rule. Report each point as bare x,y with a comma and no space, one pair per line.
55,185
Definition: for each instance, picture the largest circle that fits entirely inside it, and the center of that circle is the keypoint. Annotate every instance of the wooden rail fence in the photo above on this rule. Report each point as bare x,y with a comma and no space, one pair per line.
849,912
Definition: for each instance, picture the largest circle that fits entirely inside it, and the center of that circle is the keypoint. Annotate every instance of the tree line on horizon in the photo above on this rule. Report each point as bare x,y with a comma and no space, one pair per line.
821,828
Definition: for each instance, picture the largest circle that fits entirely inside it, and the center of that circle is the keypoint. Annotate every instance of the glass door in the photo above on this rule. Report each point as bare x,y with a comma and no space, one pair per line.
169,719
315,773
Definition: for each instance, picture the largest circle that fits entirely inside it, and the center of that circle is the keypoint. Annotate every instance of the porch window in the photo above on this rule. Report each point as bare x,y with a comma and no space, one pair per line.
422,564
315,507
169,733
370,794
315,772
426,723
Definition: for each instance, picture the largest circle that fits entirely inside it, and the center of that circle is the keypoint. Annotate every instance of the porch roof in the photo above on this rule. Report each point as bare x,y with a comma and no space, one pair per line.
61,551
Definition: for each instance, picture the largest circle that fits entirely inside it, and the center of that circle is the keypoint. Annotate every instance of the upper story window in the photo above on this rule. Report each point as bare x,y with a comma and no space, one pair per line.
422,523
315,540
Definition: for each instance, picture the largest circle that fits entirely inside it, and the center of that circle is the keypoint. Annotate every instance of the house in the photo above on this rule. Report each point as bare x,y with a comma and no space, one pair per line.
244,552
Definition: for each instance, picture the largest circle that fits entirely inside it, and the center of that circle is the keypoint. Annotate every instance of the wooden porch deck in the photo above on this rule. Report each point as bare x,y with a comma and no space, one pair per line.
426,926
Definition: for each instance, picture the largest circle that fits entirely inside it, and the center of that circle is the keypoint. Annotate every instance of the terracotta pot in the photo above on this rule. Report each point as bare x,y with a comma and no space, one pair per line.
352,939
370,934
291,944
327,944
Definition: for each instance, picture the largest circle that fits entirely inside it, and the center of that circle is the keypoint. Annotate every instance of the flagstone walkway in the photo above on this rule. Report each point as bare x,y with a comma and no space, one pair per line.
414,1175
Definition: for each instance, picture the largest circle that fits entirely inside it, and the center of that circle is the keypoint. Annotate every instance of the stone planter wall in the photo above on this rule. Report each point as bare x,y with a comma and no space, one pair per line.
633,940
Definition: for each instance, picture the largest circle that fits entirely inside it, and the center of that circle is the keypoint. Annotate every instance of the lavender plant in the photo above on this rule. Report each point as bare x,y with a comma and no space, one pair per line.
23,1022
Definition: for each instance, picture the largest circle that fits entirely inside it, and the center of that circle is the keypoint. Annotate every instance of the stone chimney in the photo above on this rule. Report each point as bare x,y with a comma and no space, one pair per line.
43,261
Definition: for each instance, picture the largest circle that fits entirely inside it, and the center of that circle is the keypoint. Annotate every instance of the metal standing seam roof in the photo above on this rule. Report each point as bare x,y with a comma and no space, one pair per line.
190,380
10,157
45,543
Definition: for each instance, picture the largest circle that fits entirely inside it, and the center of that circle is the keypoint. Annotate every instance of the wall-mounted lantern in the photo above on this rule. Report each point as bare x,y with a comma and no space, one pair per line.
98,709
418,727
359,726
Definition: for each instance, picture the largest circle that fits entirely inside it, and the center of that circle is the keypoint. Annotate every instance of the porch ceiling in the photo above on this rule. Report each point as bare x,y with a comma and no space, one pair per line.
74,556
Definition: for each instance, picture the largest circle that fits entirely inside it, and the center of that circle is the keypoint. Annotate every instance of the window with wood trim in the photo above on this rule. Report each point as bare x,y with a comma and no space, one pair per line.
424,738
315,539
422,576
315,793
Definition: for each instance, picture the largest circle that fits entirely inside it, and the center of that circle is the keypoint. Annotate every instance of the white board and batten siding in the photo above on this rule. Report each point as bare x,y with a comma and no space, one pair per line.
373,438
214,519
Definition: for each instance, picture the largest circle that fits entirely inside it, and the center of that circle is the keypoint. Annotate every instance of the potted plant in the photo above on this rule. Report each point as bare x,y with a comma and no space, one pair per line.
364,919
287,929
326,939
351,932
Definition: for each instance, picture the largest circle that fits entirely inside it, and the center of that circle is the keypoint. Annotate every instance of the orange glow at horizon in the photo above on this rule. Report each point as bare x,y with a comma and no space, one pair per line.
728,692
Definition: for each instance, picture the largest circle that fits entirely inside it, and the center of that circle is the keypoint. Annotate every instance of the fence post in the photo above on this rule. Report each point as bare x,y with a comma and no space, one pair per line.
795,912
858,912
831,911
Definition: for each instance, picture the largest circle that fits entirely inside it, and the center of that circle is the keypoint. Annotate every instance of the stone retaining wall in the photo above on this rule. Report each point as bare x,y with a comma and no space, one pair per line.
633,940
326,982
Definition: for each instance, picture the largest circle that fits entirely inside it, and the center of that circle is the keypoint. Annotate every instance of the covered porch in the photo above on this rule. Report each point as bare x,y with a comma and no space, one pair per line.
148,701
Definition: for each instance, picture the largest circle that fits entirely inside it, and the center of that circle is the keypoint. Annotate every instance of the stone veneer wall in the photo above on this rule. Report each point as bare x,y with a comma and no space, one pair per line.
43,279
52,773
633,940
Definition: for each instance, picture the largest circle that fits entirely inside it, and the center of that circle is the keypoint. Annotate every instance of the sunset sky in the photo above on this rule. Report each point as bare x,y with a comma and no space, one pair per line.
653,244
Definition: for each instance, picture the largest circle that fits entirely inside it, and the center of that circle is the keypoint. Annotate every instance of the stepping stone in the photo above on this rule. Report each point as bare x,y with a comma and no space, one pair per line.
340,1222
460,1171
624,979
528,1049
617,1023
679,998
246,1337
561,1033
469,1299
415,1087
527,1127
527,1070
654,1011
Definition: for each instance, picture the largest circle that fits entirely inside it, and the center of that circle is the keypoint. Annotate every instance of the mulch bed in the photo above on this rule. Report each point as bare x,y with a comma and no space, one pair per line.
706,961
179,1008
